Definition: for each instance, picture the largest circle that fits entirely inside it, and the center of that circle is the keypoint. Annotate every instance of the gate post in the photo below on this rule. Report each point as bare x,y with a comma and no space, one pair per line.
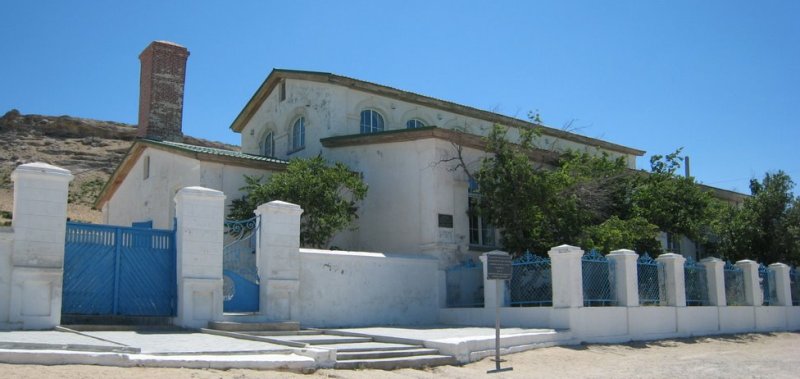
37,261
199,242
278,257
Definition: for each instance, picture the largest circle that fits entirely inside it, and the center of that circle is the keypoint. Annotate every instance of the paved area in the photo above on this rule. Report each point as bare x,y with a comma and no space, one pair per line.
185,342
773,355
51,337
438,333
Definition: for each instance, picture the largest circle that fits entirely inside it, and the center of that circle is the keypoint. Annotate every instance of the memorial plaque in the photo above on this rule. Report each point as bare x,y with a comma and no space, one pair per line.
498,267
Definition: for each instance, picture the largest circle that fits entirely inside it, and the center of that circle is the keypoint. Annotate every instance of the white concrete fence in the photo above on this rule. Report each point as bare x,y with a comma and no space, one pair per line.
629,320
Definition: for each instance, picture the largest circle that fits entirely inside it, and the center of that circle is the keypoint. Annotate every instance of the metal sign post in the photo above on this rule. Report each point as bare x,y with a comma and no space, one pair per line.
498,267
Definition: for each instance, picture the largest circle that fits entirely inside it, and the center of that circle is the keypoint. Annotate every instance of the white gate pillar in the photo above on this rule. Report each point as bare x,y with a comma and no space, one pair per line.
37,261
278,257
625,273
674,279
752,290
783,288
199,242
567,274
715,277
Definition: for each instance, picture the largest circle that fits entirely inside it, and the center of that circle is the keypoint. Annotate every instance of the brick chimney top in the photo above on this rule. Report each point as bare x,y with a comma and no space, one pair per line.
161,83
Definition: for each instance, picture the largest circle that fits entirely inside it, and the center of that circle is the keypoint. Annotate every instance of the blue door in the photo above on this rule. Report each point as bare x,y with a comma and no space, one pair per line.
110,270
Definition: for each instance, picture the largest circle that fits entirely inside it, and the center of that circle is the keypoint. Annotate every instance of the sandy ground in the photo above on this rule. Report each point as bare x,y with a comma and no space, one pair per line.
736,356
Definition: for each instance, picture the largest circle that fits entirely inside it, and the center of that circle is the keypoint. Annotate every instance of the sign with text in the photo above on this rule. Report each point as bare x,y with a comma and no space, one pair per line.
498,267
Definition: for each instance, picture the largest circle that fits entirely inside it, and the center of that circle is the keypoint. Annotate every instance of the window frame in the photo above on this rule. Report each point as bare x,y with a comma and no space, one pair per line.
485,234
293,145
375,116
268,148
416,122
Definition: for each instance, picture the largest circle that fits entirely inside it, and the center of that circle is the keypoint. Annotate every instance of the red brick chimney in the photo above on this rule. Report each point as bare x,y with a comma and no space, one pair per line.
161,91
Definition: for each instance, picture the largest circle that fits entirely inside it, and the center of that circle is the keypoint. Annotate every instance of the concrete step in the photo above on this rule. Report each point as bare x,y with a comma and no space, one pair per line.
324,339
370,346
232,326
281,333
419,361
376,354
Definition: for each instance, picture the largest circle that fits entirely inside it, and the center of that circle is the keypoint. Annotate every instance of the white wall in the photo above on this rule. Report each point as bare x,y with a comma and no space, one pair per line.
339,288
332,110
139,199
6,246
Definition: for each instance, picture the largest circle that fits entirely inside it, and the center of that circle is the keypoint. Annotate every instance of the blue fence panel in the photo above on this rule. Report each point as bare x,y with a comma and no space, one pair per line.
465,285
794,285
650,282
766,279
734,284
531,281
112,270
696,283
598,280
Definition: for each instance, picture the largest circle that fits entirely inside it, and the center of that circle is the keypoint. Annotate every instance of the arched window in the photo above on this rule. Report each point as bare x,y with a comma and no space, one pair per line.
371,121
414,123
299,134
268,149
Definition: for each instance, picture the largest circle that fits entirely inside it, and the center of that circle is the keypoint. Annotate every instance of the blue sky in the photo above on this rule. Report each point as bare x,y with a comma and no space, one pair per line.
719,78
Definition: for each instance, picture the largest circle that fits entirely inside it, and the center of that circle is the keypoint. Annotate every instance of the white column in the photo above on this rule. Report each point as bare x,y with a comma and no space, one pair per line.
674,279
625,275
199,241
492,289
565,263
37,260
715,276
278,255
752,290
782,283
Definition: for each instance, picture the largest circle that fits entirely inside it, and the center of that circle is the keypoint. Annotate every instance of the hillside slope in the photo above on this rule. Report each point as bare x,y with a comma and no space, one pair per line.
91,149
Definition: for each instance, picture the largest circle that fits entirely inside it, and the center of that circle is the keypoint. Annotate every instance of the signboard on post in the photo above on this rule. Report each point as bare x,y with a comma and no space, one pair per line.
498,267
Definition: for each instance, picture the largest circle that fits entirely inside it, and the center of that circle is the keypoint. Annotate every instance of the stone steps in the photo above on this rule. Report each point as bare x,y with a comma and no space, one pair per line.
419,361
377,354
233,326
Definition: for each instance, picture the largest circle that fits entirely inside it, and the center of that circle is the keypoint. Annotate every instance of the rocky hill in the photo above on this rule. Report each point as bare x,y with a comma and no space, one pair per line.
91,149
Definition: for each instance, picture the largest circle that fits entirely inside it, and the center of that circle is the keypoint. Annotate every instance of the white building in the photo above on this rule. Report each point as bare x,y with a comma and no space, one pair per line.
399,141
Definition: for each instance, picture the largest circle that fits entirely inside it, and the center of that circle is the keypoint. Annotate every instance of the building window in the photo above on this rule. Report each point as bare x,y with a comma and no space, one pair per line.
371,121
299,134
414,123
673,243
282,91
268,149
146,168
481,233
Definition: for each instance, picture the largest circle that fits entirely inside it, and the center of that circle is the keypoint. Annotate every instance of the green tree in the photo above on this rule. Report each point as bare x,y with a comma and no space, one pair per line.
766,227
674,203
615,233
327,194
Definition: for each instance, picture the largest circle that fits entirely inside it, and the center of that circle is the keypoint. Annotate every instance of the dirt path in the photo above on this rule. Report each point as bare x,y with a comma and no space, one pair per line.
737,356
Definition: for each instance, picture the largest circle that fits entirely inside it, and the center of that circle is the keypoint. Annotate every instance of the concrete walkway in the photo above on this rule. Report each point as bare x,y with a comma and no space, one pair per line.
195,349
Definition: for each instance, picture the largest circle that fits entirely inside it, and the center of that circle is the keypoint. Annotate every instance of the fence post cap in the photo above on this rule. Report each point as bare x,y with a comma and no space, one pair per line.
711,260
746,262
778,264
623,252
670,257
495,252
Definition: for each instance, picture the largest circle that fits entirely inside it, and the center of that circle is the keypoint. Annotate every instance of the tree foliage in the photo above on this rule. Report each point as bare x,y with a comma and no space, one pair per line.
585,199
327,194
765,227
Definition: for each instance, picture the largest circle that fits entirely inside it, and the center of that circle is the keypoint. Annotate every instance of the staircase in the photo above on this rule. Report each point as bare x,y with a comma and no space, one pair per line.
351,352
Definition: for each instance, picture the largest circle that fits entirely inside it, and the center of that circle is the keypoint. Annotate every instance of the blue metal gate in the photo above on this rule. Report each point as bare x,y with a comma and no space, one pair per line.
240,286
111,270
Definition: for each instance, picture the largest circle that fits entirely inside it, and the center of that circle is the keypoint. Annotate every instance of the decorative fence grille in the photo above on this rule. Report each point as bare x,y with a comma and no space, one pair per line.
651,284
465,285
694,275
240,282
766,278
794,280
598,280
734,284
531,281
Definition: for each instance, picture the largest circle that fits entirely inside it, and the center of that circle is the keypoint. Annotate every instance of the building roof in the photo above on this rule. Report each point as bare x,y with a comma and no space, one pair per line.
200,153
277,75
